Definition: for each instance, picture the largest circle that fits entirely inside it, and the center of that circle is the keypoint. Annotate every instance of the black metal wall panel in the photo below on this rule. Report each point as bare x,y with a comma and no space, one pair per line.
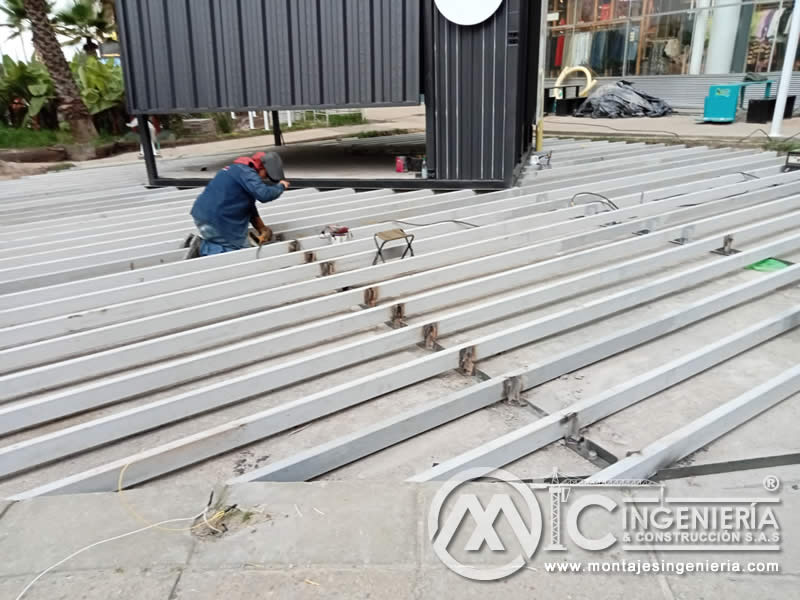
475,88
206,55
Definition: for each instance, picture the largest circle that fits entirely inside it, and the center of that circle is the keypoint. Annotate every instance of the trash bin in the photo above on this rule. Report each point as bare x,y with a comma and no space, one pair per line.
761,110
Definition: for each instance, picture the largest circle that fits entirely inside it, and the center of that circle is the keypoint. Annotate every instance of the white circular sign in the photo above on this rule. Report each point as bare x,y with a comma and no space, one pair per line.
467,12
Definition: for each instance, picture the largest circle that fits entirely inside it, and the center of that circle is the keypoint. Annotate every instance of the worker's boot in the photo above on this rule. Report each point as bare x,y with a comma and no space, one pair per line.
193,245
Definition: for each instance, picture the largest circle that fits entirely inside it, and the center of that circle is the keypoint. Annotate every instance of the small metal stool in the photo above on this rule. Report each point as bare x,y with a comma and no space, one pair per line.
384,237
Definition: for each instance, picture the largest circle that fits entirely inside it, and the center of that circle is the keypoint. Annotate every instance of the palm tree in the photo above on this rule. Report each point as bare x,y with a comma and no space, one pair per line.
108,11
83,22
49,50
16,19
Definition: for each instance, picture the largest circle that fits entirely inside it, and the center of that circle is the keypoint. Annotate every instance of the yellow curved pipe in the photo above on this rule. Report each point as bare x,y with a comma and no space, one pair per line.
590,80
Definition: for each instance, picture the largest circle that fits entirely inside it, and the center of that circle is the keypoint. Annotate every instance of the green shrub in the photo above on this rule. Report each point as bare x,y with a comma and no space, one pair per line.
346,119
26,93
103,90
24,137
224,122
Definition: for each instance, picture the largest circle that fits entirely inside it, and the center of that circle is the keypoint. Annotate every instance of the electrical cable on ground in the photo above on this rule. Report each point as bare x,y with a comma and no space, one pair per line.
605,199
436,223
672,133
160,525
101,542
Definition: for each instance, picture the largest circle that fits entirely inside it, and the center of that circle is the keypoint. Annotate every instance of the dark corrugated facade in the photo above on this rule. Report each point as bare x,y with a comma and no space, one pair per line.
477,82
206,55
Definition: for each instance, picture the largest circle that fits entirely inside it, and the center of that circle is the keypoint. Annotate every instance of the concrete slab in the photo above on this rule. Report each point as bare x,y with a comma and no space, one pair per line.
119,584
750,484
36,534
718,587
325,524
769,434
442,583
298,584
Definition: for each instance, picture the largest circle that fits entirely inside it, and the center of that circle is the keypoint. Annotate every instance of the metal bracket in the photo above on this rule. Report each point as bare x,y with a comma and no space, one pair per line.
727,247
399,315
571,419
466,361
294,246
371,297
512,390
310,257
327,268
686,236
431,334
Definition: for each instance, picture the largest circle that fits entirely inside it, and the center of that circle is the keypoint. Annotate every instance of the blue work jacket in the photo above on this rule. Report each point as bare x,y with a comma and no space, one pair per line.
229,202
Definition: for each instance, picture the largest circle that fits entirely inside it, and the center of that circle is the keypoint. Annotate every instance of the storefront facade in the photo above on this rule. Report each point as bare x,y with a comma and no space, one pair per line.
632,38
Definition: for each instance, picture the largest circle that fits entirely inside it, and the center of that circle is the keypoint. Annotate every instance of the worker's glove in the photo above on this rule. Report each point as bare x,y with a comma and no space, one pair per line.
265,235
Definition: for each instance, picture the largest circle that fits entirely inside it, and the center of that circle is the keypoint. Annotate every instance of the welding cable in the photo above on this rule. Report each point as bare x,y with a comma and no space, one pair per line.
605,200
436,223
121,495
675,135
101,542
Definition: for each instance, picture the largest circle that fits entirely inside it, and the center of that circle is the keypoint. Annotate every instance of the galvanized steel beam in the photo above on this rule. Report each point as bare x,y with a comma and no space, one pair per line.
65,442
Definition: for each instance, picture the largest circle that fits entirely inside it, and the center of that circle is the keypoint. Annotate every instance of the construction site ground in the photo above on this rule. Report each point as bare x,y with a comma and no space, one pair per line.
359,530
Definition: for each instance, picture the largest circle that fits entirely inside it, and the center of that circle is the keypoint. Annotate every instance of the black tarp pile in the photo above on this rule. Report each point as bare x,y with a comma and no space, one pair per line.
621,100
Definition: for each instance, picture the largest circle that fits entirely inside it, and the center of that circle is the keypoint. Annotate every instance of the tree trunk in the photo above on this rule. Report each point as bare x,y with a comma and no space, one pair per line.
109,16
49,50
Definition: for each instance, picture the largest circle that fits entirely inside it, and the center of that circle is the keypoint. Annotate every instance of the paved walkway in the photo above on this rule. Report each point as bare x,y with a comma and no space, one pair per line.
344,539
410,118
682,127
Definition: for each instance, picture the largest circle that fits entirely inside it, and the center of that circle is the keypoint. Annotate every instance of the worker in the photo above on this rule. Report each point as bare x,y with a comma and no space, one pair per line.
226,208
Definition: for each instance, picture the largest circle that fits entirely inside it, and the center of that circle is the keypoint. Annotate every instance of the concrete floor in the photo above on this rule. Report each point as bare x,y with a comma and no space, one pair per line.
358,531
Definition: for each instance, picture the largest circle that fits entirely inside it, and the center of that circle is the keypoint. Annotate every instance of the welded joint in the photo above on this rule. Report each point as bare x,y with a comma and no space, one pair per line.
430,334
327,268
512,390
648,227
727,247
294,246
279,237
467,359
687,235
310,257
573,429
371,296
399,316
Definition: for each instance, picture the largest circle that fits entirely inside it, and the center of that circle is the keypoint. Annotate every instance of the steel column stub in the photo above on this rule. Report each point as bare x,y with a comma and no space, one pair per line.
431,333
727,247
512,390
371,297
399,316
466,362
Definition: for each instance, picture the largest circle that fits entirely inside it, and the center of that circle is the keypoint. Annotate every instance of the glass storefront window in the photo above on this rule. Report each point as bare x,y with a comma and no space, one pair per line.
657,37
665,45
560,7
586,12
781,35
